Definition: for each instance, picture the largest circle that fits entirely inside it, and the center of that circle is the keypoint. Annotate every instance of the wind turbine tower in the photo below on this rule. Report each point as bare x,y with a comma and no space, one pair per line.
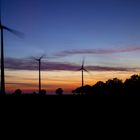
82,69
39,69
2,28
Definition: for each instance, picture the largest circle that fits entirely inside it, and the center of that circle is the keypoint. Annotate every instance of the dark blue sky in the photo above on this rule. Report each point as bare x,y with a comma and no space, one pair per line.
53,26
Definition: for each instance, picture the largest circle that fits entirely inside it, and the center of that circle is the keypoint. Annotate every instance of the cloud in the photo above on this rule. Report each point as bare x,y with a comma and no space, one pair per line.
25,64
102,68
96,51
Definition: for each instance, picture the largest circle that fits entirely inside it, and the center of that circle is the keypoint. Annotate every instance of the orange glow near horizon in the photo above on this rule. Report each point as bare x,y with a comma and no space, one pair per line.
27,81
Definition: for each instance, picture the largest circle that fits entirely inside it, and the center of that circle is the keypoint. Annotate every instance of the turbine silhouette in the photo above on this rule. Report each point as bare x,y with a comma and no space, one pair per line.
2,28
82,69
39,68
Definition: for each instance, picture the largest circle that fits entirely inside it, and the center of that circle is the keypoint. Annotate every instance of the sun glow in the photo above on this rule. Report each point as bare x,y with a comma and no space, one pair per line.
68,80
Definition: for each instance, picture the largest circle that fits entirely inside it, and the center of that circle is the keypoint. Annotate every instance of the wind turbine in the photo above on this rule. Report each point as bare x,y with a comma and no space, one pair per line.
39,68
82,69
2,28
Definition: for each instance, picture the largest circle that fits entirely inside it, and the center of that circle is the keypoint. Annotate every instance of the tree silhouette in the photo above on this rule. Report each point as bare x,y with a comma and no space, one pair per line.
17,92
99,88
59,91
43,92
114,86
132,85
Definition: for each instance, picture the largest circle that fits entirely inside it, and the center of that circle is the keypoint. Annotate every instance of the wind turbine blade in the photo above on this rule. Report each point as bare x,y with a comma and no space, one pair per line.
90,73
34,58
79,69
43,56
83,62
17,33
85,70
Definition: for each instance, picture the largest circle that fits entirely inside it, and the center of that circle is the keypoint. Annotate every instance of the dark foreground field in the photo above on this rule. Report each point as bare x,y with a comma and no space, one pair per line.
72,95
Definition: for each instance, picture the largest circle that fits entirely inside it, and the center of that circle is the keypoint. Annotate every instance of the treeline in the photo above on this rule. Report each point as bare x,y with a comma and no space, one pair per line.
112,87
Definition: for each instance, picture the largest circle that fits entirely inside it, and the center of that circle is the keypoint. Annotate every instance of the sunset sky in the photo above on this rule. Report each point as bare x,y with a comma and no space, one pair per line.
104,32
